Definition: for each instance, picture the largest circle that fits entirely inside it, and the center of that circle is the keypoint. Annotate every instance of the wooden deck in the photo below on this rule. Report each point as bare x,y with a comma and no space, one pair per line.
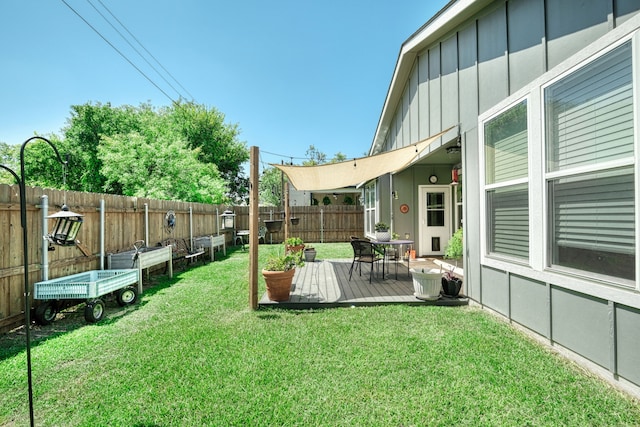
325,283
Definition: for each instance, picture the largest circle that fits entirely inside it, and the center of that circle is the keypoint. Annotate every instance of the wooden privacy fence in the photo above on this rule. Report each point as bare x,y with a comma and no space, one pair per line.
316,224
127,220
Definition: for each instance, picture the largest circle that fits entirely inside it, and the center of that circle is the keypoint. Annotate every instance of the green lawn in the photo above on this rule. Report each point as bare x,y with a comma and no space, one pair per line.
192,353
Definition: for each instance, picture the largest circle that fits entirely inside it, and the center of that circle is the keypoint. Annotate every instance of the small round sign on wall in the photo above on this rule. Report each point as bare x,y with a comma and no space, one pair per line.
404,208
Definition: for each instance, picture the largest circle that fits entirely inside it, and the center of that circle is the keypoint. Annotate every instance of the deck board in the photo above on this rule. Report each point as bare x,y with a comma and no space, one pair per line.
325,283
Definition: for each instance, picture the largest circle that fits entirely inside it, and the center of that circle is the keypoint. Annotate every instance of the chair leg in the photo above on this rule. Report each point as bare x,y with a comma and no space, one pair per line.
351,269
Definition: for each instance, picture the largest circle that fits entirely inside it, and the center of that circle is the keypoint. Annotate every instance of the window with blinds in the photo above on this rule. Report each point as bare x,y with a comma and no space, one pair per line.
590,113
506,192
590,121
506,145
508,226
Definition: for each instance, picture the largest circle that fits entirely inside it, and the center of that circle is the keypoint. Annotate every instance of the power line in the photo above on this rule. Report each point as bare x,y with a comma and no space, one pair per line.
285,156
119,52
149,53
131,45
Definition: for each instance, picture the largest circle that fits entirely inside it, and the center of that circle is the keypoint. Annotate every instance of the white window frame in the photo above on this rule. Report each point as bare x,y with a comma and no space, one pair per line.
485,188
548,176
370,200
538,269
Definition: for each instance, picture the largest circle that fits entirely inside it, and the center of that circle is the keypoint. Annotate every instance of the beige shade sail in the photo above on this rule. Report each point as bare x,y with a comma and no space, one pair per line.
353,172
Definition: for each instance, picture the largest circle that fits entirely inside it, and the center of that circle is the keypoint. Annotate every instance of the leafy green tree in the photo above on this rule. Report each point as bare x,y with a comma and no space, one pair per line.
338,157
314,157
8,157
205,128
159,166
271,187
85,130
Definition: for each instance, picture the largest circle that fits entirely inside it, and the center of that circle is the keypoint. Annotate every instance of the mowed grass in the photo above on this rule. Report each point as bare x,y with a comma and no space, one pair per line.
192,353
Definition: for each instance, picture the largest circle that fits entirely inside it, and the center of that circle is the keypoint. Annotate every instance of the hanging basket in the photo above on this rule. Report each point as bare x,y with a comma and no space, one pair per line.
273,226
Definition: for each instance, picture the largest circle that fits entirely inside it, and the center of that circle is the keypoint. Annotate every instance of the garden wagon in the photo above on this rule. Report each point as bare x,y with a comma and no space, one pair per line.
91,286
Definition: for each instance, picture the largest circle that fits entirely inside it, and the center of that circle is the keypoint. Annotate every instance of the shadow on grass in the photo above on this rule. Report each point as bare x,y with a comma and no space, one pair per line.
71,317
71,314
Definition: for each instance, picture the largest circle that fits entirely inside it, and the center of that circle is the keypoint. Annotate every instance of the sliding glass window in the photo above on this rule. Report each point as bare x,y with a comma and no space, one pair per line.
589,120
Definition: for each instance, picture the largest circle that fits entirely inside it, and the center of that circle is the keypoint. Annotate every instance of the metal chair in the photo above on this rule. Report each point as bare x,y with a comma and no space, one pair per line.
262,233
363,252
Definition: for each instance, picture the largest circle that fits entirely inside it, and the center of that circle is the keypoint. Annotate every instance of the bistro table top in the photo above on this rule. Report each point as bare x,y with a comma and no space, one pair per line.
392,242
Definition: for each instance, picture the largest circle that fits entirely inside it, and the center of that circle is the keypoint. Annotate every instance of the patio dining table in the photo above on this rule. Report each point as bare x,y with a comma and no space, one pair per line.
392,243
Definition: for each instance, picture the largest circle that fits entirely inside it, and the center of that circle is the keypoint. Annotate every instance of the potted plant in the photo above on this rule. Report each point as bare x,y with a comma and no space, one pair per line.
382,232
294,244
451,284
426,284
454,249
278,274
309,254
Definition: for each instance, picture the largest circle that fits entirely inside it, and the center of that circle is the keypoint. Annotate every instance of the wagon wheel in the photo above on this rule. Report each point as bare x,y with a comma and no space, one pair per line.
127,295
94,311
46,312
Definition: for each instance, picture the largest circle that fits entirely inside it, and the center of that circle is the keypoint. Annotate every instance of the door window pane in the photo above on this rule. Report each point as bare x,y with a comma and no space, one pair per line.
435,209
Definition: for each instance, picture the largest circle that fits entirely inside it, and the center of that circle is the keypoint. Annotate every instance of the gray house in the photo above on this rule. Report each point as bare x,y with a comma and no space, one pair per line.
540,166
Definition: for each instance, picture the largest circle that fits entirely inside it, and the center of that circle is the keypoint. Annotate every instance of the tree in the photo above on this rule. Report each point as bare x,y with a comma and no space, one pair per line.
85,130
314,156
160,167
190,130
204,128
271,187
338,157
8,156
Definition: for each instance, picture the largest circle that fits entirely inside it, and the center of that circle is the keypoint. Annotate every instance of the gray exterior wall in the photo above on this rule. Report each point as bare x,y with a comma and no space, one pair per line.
470,57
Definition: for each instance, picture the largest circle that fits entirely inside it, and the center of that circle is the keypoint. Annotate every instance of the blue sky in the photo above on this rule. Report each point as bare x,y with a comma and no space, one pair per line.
290,73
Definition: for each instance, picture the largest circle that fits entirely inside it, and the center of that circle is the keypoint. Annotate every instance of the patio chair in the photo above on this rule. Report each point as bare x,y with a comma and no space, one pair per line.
363,252
262,234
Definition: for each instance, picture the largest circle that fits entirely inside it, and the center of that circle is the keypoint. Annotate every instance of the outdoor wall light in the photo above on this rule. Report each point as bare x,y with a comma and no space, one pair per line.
453,150
228,220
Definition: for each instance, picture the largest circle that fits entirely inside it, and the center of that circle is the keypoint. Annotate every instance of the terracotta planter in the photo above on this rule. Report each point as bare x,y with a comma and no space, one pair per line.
278,284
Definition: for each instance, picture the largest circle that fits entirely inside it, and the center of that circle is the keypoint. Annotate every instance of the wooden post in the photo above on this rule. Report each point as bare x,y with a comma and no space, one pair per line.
286,211
254,158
